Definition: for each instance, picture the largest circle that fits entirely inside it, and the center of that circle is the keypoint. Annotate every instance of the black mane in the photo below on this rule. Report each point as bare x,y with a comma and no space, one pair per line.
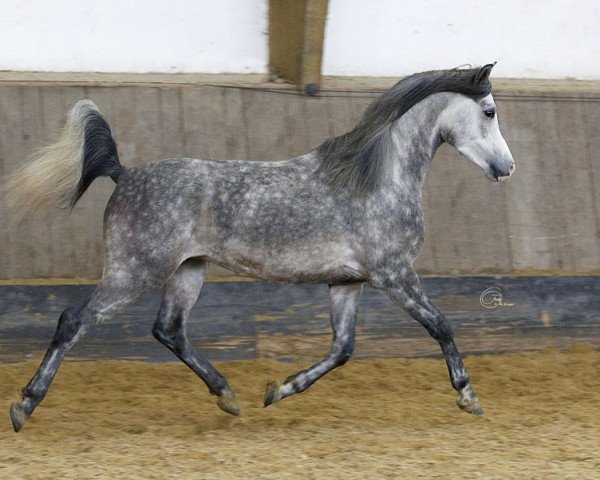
356,159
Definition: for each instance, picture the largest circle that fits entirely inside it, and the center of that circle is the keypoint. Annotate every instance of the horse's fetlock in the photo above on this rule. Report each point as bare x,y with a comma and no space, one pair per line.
27,393
294,383
461,383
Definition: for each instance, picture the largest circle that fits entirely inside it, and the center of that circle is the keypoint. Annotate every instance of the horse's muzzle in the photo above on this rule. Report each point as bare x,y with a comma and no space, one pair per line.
500,174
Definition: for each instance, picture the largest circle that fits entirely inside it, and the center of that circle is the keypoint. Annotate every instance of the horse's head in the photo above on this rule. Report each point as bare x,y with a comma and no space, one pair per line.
471,126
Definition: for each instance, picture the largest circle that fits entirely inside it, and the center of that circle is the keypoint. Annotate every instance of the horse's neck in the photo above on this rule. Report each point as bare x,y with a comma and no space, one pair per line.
416,137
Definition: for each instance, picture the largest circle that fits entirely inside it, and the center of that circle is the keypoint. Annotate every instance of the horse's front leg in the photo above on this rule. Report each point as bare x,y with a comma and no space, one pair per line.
406,290
344,306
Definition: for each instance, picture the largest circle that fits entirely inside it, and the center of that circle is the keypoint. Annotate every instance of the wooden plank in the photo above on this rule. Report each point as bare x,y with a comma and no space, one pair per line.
464,217
551,170
234,320
577,193
590,119
268,139
296,126
124,125
318,124
146,125
171,122
296,35
312,45
536,217
198,105
359,104
518,129
10,159
341,114
236,125
133,79
54,242
503,87
213,122
286,32
30,237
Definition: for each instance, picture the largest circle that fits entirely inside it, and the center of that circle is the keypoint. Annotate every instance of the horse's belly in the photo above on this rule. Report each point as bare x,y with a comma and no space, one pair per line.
325,263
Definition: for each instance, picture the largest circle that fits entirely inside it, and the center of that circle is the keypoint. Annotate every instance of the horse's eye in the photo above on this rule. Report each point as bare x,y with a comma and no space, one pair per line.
490,113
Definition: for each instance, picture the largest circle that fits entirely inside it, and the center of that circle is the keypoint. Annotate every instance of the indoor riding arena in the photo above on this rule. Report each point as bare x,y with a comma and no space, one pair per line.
367,309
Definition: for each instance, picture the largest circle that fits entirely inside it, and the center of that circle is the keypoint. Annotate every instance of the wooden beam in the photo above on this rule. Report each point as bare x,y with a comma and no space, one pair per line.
296,34
312,53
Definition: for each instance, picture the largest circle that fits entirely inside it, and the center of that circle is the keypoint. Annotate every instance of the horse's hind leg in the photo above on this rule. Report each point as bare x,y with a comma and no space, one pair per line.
344,304
108,298
180,294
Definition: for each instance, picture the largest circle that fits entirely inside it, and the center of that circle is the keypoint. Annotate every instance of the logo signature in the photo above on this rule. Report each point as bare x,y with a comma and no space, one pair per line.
492,298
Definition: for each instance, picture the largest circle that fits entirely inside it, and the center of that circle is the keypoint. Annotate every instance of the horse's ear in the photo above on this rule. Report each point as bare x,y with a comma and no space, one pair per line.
483,74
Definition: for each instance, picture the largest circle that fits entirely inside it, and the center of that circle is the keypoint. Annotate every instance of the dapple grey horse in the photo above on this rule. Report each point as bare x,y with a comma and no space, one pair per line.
344,214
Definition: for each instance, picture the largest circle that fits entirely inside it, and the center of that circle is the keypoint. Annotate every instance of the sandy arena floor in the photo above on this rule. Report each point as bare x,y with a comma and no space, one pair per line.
370,419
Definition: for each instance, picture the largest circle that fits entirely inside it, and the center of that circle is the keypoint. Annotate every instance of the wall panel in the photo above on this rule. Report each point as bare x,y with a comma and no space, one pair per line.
545,218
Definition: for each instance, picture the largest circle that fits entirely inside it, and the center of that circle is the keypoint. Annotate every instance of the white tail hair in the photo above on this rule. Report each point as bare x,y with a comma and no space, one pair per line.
56,176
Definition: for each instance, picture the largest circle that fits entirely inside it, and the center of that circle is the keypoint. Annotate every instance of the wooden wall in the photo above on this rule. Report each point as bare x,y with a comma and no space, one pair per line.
546,218
248,320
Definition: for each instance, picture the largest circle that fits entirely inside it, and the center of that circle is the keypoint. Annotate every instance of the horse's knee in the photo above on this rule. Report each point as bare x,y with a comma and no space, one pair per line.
169,337
159,332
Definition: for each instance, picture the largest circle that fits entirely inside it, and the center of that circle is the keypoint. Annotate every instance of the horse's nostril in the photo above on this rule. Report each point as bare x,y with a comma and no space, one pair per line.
512,167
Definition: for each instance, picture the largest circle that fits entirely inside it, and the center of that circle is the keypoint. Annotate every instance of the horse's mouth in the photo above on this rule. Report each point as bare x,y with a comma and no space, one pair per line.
496,175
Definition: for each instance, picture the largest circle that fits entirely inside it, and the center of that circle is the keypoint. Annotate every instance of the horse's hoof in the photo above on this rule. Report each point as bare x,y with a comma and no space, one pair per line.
229,403
18,416
272,394
473,407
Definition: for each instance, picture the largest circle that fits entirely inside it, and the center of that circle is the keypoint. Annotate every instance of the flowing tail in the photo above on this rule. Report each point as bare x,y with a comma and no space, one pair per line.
60,174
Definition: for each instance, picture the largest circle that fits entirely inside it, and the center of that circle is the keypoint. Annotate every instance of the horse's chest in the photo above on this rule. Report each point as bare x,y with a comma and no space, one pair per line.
409,235
398,235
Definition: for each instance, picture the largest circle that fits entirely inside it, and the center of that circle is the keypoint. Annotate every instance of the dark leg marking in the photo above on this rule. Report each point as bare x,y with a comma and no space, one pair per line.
410,295
180,294
72,324
344,304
